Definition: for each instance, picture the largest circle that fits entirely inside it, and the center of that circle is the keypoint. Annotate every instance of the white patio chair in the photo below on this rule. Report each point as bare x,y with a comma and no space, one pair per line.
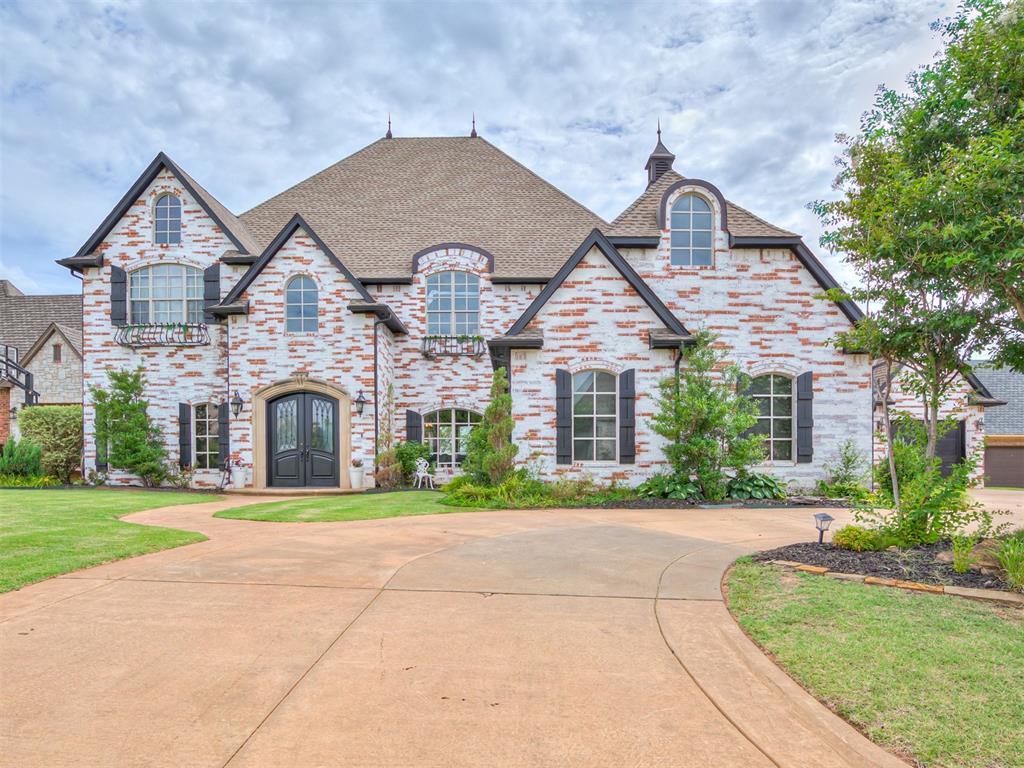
423,476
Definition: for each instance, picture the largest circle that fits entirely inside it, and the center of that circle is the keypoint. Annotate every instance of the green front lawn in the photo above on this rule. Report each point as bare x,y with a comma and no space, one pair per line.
935,677
47,533
326,509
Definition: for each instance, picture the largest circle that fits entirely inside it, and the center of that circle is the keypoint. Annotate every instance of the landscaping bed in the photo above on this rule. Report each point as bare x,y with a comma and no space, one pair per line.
916,564
646,502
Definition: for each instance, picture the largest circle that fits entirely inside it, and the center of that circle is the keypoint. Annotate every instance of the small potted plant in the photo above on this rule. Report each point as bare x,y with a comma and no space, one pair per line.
355,474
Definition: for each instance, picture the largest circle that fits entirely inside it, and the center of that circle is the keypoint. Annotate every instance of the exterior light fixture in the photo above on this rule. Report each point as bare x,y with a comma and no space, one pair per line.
236,403
822,520
361,402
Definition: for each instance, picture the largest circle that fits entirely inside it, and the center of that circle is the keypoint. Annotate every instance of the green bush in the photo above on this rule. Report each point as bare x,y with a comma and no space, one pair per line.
669,487
860,539
1011,558
962,552
27,481
57,429
845,474
491,454
754,485
21,458
406,455
520,490
131,440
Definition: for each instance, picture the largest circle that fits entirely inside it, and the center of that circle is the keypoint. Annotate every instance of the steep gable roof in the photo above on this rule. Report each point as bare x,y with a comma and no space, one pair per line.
23,319
73,337
234,229
395,197
597,240
296,222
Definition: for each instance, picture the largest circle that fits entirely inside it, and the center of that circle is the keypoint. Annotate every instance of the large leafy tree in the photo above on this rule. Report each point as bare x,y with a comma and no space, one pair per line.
930,215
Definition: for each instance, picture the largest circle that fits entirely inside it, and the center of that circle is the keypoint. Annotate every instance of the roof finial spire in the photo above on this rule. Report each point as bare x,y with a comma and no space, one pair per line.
660,160
659,129
472,133
388,134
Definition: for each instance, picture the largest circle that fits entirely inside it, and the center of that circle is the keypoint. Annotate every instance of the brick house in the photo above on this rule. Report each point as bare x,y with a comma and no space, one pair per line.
40,352
281,342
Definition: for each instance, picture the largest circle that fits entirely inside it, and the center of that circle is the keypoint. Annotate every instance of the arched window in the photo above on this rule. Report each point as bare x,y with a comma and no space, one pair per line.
691,232
300,305
447,433
594,416
453,304
773,394
167,227
206,435
166,293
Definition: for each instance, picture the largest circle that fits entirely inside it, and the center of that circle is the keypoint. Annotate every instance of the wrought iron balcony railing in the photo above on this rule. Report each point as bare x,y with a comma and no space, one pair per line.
163,335
452,346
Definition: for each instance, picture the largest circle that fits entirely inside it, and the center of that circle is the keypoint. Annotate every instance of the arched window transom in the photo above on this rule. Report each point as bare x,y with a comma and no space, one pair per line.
773,394
301,310
166,293
167,226
594,416
447,433
691,232
453,304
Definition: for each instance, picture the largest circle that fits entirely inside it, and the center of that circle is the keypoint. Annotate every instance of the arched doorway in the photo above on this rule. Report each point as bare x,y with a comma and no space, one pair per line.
303,441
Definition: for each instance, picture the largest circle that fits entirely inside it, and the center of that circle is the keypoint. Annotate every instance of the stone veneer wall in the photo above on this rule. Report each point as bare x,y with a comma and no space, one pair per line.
173,374
57,382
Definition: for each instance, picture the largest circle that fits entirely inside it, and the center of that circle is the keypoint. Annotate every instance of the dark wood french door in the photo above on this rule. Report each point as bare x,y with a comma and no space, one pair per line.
303,441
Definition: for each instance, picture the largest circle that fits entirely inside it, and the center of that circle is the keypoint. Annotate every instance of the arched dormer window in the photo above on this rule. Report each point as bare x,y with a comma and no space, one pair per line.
691,231
453,304
301,309
167,220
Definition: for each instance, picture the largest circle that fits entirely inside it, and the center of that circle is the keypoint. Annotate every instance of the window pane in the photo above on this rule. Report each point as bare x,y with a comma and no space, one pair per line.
701,258
783,406
680,220
701,239
681,257
682,203
764,405
782,385
583,450
763,427
583,427
699,204
606,450
782,449
761,385
606,405
782,428
582,404
583,382
605,382
680,238
606,427
701,221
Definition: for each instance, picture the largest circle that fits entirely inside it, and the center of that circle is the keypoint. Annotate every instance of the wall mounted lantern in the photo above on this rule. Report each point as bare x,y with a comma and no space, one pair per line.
361,402
236,403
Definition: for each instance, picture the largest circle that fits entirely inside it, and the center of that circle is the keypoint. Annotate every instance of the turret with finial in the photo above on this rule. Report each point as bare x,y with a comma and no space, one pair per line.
660,160
472,133
388,134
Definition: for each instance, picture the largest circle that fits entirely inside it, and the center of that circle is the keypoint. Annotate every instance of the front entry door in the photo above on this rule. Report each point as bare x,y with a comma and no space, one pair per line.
303,441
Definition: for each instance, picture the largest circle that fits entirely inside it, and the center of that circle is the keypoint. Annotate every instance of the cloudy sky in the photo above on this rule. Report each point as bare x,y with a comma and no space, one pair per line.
251,97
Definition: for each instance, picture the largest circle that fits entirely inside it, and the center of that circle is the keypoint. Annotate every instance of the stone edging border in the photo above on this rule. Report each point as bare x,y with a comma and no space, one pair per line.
992,595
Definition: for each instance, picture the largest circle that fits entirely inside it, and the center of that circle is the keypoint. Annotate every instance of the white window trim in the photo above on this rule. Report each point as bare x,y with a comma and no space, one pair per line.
316,286
714,218
770,462
149,300
181,209
452,311
595,462
453,466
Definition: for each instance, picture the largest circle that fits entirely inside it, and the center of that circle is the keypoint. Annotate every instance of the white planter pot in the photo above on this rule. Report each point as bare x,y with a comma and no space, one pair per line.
355,477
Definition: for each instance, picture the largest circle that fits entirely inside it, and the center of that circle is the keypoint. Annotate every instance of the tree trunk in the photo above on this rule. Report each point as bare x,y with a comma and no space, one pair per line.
887,426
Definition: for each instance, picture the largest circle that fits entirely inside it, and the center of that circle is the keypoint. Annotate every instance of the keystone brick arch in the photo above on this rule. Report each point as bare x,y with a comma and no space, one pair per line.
595,364
451,251
258,407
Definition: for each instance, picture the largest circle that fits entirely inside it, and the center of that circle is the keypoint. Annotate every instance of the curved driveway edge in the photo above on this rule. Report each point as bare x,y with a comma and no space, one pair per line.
535,638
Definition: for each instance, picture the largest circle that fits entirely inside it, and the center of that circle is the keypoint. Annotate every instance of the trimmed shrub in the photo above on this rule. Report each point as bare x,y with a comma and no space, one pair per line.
57,429
860,539
21,458
491,454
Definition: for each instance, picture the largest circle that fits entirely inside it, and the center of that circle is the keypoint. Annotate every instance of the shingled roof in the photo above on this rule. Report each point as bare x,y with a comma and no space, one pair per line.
24,318
640,219
380,206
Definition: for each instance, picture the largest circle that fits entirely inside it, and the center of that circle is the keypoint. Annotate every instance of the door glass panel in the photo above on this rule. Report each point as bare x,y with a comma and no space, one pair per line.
286,425
322,435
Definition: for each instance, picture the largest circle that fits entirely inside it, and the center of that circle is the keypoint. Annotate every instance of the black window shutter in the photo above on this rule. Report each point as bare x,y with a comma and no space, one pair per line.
223,434
627,417
805,418
118,296
413,427
184,435
563,417
101,457
211,290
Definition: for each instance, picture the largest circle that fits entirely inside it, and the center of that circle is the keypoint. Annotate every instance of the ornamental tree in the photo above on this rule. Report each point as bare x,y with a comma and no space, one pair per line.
491,454
124,430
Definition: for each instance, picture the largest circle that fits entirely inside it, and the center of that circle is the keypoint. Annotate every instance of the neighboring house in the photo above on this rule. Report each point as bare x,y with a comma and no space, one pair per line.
275,340
40,352
967,403
1004,427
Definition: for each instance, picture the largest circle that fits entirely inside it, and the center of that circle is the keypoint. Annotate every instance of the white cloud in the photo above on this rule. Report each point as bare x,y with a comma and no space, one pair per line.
251,98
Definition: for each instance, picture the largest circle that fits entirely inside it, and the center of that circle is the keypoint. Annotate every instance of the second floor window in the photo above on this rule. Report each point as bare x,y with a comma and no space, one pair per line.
453,304
300,305
167,225
166,293
691,232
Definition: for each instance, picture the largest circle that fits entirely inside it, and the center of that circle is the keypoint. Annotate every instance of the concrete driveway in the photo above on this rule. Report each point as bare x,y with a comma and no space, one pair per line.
575,638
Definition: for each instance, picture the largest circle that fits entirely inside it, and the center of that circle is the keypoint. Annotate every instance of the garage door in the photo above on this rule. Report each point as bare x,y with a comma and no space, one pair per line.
1004,465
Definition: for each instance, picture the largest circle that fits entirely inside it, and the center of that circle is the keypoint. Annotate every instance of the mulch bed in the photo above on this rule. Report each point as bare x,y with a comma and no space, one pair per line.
917,564
651,503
